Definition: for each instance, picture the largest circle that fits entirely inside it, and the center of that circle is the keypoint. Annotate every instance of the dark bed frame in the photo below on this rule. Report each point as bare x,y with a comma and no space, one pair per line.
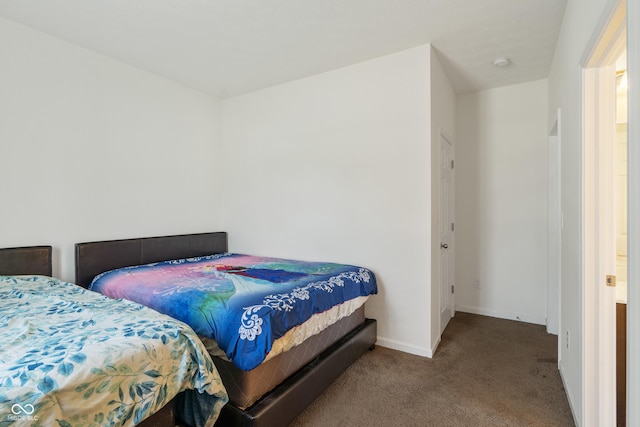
26,260
278,407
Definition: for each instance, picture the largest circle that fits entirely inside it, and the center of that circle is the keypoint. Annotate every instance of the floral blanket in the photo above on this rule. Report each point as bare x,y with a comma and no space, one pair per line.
243,302
71,357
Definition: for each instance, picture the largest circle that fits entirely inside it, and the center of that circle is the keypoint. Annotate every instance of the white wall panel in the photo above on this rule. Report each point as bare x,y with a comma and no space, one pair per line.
336,167
501,202
93,149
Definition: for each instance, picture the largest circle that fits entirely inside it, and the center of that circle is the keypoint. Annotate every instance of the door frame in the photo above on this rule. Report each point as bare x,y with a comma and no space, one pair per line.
598,231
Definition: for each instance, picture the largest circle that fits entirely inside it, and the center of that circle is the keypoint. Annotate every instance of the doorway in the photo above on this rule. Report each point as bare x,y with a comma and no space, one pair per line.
554,232
621,235
621,177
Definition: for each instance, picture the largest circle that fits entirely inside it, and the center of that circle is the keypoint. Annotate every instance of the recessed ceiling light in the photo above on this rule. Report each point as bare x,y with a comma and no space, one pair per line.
501,62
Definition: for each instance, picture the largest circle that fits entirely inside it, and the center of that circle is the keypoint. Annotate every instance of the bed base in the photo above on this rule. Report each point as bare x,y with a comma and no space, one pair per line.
283,404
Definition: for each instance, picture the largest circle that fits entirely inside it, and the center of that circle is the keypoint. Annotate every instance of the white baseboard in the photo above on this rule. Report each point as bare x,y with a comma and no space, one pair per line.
576,418
502,315
429,352
406,348
435,346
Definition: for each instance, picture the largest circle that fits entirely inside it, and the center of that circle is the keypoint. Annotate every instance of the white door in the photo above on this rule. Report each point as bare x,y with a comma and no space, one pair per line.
447,228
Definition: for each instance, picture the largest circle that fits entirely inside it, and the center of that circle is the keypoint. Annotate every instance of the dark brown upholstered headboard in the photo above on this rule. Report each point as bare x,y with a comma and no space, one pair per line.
26,260
93,258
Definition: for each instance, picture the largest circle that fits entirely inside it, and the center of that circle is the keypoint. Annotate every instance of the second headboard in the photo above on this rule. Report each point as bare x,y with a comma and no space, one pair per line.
93,258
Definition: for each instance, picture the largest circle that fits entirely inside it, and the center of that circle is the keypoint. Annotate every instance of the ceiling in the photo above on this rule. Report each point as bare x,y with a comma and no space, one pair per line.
231,47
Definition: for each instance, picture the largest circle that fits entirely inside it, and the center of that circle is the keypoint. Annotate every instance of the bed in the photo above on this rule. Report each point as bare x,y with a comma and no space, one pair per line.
277,390
73,357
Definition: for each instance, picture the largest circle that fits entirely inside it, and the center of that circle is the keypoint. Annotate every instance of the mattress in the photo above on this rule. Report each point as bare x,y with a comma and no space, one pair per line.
245,303
247,387
297,335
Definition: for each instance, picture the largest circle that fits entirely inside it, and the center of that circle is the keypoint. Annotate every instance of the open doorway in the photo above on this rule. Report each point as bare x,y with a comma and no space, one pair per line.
621,177
554,231
621,230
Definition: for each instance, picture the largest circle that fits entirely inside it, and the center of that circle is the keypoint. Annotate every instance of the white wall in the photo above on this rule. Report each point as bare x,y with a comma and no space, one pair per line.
501,202
332,167
94,149
443,122
336,167
565,92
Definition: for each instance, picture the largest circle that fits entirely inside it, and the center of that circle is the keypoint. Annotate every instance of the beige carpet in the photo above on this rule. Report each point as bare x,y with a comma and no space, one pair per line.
486,372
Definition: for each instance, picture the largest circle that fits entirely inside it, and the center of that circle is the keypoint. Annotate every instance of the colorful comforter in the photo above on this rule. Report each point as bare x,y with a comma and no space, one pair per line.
71,357
242,302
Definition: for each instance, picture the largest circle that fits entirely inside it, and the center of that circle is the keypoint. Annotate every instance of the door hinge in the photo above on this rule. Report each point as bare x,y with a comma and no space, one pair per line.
452,286
611,280
452,227
451,164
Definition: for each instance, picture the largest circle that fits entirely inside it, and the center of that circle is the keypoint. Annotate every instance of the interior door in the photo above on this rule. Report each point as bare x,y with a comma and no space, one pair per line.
447,229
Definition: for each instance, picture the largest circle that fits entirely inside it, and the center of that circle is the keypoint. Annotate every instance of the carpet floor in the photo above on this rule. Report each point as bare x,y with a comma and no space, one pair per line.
486,372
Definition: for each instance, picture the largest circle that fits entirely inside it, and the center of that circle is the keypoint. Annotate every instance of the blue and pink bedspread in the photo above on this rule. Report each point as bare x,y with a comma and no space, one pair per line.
242,302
